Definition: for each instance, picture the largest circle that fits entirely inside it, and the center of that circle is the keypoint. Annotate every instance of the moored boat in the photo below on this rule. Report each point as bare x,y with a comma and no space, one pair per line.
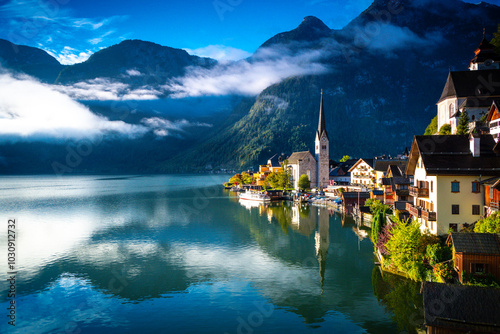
254,196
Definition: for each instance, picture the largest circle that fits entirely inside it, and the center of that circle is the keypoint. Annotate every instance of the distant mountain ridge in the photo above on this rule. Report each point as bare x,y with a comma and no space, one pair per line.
135,62
29,60
387,67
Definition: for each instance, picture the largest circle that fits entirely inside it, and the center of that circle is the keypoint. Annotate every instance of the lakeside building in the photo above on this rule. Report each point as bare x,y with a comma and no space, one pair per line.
315,167
491,195
476,254
340,175
454,308
447,171
362,173
273,166
473,91
396,187
493,119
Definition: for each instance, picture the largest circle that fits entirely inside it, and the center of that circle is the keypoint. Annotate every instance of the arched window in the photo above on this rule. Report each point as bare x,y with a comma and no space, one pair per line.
452,109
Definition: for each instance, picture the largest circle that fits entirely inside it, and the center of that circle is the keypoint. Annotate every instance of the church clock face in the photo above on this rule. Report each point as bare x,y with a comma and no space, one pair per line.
323,139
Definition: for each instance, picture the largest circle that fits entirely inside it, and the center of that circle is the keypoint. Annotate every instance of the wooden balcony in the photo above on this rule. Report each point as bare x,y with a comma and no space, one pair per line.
402,192
495,205
428,215
413,210
419,192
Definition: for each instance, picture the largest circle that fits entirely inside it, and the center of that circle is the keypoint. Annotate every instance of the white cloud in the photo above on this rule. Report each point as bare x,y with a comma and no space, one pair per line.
164,127
220,52
387,38
268,66
31,109
102,89
70,56
133,73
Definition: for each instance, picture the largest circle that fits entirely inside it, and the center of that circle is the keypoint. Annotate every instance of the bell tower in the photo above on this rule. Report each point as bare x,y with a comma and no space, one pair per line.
322,149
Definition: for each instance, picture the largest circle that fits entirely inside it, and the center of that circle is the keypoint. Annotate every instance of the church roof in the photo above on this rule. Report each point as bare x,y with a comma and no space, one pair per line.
480,84
296,157
321,122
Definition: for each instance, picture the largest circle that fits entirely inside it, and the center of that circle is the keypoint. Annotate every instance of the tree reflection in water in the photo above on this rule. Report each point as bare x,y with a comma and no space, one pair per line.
401,297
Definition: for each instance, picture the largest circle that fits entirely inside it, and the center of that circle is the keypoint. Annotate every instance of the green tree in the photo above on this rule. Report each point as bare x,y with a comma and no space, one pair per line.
405,249
247,178
432,127
345,158
445,129
304,182
496,40
463,124
490,224
236,179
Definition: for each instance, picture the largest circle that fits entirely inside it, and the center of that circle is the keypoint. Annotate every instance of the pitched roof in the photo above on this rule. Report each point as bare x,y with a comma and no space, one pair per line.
444,307
451,155
382,165
299,156
479,84
476,243
274,160
321,122
369,162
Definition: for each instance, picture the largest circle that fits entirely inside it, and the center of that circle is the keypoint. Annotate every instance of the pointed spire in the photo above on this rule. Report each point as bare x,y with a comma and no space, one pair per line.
321,123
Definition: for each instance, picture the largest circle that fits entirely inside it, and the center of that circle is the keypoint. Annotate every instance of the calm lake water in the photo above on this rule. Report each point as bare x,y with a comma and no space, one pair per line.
178,254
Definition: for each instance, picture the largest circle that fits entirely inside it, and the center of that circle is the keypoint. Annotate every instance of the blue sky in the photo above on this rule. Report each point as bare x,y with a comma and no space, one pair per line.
74,29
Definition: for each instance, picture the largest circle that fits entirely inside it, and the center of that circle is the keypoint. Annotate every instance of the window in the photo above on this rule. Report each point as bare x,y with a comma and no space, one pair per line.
453,227
455,209
452,109
479,268
323,147
432,186
475,210
476,188
455,187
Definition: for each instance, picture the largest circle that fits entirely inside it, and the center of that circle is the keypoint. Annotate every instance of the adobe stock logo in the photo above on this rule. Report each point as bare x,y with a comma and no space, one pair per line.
224,6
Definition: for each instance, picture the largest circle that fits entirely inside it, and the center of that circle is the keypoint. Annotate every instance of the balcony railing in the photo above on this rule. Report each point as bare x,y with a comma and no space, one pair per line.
419,192
429,215
402,192
413,210
495,205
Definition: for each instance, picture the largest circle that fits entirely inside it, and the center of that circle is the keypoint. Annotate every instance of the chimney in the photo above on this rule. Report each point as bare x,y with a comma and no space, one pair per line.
474,144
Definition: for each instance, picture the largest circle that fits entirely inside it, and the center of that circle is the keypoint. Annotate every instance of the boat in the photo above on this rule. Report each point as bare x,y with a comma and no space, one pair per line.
254,196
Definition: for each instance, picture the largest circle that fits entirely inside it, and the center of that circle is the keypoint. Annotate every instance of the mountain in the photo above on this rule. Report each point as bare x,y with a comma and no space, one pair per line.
29,60
387,70
135,62
311,29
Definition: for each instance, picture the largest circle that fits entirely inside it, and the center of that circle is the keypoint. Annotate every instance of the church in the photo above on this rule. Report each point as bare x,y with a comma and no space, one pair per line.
473,91
315,167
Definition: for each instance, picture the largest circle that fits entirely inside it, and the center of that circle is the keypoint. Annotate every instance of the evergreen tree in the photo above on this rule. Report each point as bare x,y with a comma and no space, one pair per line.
445,129
345,158
463,124
432,127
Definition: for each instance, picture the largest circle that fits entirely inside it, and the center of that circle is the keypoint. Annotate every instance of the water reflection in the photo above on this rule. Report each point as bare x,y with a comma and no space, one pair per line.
146,241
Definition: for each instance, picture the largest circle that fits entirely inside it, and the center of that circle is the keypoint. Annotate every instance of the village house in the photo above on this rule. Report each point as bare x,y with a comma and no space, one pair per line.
491,195
315,167
455,308
447,172
493,120
396,187
340,175
475,254
472,91
362,173
273,166
380,165
354,199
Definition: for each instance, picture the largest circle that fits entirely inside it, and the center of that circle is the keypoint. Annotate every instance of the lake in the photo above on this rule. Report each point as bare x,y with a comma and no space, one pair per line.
178,254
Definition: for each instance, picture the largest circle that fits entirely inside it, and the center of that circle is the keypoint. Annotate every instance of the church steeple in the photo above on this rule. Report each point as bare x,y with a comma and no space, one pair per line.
485,56
321,123
322,144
